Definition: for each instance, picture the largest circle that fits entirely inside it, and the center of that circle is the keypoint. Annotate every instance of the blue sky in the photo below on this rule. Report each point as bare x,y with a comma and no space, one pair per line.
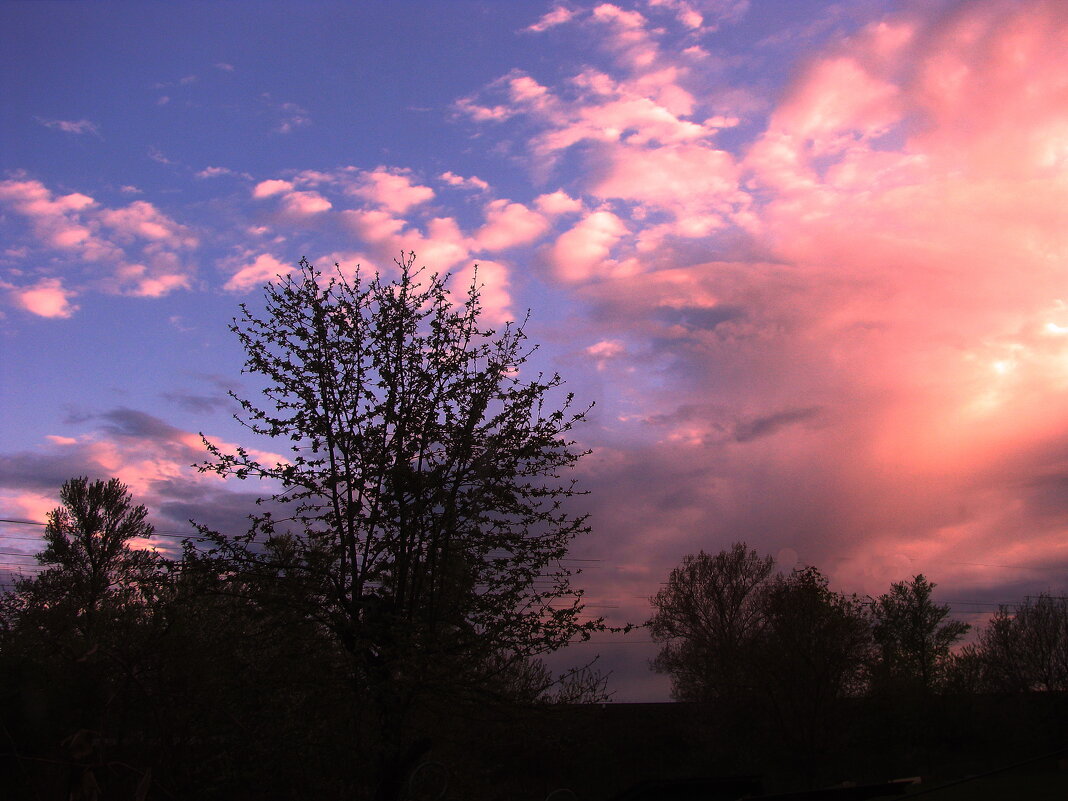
807,257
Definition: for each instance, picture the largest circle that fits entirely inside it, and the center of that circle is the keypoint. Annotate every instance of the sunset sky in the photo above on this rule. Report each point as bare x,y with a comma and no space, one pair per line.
810,259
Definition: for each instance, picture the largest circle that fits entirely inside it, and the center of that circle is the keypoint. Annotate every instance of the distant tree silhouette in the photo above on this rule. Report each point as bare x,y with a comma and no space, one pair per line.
80,636
810,653
705,617
425,488
768,655
94,583
1026,648
913,636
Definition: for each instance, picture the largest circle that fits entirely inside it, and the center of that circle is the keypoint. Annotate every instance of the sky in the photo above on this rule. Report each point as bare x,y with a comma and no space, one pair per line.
809,259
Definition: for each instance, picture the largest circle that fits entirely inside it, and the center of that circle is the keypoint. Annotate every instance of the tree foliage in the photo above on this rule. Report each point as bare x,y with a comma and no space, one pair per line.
761,650
426,483
1026,648
93,578
913,635
705,618
811,652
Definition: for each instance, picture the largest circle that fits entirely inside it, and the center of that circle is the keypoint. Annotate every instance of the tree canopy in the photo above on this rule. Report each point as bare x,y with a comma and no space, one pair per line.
421,514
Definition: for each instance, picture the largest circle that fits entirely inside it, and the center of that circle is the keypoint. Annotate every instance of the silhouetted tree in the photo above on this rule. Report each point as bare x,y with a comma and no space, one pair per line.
91,571
425,489
705,617
966,671
811,652
1027,648
79,637
96,591
771,656
913,636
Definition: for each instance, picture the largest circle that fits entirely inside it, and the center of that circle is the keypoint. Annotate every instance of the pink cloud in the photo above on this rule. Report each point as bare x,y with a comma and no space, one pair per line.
584,252
894,375
558,202
305,203
107,246
26,505
262,270
145,284
468,107
34,200
474,182
142,220
440,243
148,454
635,120
507,225
373,225
492,278
605,350
627,35
558,16
46,298
392,189
679,178
77,127
686,13
275,186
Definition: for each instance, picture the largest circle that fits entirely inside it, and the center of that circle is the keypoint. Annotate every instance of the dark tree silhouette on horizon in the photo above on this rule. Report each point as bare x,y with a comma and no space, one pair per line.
705,617
913,636
92,576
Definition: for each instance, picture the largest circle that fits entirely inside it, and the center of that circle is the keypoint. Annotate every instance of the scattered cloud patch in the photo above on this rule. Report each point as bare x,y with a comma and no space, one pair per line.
392,189
474,182
218,172
264,269
558,16
47,298
583,253
272,187
78,127
509,225
291,116
305,203
160,157
558,202
134,249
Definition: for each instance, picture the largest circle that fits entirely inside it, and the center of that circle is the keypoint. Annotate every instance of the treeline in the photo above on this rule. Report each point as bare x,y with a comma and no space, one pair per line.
126,674
388,604
784,658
